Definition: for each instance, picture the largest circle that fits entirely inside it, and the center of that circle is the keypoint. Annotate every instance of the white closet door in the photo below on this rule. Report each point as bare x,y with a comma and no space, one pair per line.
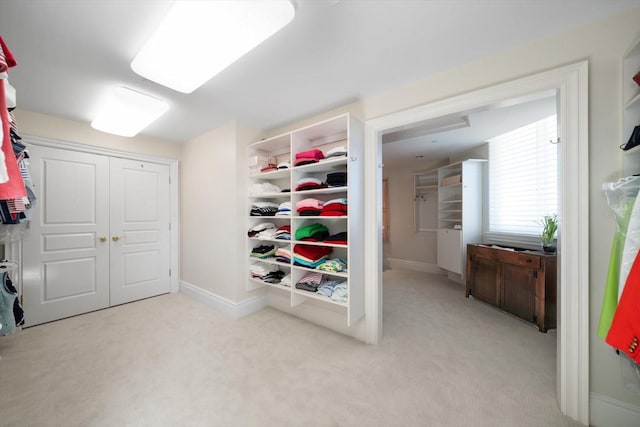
139,216
65,262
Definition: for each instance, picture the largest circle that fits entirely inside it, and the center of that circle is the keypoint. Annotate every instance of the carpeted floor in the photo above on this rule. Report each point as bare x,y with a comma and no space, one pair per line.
170,361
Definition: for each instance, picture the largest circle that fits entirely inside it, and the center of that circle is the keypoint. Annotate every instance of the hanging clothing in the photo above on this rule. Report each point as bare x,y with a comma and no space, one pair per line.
610,299
622,198
11,182
624,333
6,61
8,297
631,246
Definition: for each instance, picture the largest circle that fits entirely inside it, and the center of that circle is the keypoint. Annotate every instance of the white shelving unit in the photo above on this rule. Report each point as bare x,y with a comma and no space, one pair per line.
630,106
342,130
425,200
460,194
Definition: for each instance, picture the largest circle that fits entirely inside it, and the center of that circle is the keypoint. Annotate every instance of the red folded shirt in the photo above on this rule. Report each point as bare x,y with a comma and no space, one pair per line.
310,154
312,252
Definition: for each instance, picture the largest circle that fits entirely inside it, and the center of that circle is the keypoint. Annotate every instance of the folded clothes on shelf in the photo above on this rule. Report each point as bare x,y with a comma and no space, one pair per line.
338,238
284,209
308,157
263,209
260,270
313,232
309,207
310,256
283,232
260,188
311,282
253,231
328,288
334,265
336,152
335,207
263,251
337,179
310,183
284,254
340,292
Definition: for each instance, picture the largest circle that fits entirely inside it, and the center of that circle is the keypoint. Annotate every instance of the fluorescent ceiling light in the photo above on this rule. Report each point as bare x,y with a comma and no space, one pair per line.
198,39
126,112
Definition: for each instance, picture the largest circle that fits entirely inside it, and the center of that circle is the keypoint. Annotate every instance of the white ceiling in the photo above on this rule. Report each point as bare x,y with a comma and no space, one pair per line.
70,52
425,143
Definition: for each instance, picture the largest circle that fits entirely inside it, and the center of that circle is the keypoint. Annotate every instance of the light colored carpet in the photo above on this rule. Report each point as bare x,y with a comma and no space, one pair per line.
170,361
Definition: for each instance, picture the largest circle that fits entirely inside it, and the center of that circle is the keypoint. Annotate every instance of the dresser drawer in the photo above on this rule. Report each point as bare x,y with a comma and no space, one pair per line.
522,259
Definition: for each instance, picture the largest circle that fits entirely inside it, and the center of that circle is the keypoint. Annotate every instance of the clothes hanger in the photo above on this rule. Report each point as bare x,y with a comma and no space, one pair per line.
628,182
8,265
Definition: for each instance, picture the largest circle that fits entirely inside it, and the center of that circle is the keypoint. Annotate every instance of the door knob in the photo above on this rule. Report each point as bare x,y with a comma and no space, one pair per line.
115,238
103,239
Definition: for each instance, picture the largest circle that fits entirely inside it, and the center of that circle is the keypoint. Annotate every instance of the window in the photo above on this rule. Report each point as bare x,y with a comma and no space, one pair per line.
523,178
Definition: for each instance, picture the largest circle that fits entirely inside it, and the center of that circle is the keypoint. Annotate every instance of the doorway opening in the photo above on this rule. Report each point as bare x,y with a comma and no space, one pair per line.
570,82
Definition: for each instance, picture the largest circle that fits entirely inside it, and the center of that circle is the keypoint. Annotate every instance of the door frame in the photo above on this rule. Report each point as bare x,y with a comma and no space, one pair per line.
571,85
15,249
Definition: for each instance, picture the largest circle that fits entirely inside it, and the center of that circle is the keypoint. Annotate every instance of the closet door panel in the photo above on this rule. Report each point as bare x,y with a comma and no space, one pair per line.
65,263
140,232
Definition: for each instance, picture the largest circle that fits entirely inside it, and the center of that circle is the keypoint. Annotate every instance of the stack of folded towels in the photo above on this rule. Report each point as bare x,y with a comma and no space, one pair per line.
310,256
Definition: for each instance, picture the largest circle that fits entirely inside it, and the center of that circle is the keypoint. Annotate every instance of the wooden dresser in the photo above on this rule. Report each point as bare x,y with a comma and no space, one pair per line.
521,282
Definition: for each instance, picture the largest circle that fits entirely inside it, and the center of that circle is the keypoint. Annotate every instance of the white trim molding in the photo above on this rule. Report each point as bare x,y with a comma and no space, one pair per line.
606,411
570,83
228,307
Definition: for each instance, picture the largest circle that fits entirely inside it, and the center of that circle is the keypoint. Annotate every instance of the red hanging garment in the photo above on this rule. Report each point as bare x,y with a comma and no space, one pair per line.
14,187
624,333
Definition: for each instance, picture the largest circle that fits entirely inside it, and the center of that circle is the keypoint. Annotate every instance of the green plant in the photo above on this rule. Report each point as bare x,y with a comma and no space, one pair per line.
549,228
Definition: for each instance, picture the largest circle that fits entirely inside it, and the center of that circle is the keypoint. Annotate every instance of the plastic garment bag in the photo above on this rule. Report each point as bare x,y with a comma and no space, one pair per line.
621,197
620,317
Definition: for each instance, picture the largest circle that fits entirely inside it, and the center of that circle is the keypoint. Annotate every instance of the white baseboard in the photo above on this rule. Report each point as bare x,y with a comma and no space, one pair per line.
605,412
402,264
230,308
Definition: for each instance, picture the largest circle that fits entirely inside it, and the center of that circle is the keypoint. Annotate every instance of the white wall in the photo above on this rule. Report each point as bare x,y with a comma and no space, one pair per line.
213,211
603,44
36,124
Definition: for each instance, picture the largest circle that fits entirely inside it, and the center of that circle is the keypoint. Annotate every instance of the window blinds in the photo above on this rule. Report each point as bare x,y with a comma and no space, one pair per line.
523,178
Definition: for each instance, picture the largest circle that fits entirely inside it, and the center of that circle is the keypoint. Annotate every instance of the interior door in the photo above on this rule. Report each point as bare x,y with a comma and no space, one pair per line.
140,230
65,250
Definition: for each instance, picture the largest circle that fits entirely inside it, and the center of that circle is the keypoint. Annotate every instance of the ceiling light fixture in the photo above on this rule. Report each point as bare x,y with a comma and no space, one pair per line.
198,39
126,112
